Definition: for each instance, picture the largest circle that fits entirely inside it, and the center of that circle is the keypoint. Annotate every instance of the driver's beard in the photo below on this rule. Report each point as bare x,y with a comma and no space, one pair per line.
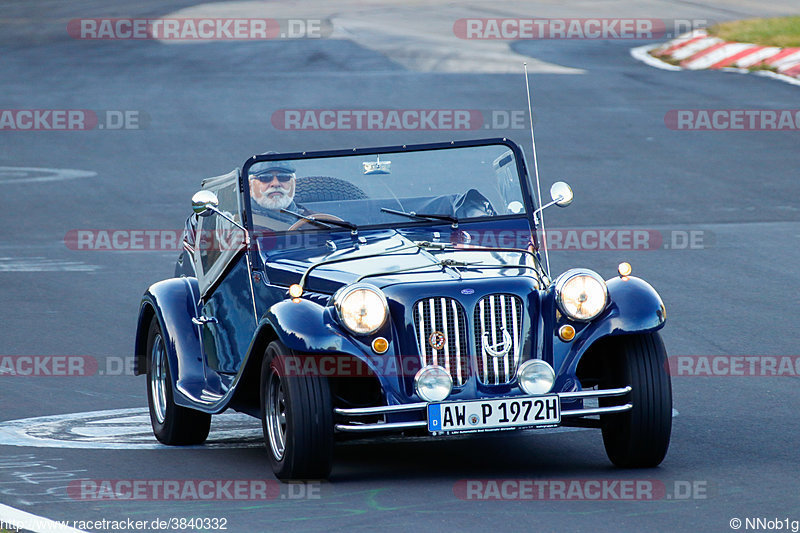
281,202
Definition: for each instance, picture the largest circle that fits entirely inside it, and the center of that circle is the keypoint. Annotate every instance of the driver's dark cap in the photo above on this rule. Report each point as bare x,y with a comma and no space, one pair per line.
271,166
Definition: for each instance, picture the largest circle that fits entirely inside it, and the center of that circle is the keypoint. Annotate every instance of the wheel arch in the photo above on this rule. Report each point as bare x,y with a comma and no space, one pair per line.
173,302
246,396
634,308
146,313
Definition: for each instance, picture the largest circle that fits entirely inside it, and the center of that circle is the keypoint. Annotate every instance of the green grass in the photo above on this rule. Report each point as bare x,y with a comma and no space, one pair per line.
779,31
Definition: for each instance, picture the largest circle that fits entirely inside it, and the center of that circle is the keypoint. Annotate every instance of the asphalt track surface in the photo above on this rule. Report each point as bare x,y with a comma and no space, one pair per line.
600,125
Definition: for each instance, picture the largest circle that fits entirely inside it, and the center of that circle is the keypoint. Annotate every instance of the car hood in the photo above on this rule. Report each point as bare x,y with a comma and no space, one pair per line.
385,258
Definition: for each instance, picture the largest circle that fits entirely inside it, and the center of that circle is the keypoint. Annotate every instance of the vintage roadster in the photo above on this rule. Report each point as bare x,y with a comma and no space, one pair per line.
395,290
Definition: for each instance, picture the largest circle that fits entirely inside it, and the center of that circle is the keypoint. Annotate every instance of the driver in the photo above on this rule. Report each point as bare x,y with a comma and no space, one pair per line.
272,188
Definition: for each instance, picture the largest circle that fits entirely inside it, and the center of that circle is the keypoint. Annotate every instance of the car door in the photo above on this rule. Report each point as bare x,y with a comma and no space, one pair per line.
227,320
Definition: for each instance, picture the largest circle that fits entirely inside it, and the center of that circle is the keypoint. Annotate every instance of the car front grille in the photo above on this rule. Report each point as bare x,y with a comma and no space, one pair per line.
446,317
498,323
497,328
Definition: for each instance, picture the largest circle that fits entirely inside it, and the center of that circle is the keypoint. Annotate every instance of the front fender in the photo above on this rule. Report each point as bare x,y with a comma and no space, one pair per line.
310,328
173,302
307,327
634,307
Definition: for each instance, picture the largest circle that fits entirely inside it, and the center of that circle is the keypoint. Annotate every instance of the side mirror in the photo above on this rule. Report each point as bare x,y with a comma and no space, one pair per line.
561,194
204,203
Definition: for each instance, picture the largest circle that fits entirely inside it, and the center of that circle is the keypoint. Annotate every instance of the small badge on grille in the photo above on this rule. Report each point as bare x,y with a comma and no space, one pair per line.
437,340
499,349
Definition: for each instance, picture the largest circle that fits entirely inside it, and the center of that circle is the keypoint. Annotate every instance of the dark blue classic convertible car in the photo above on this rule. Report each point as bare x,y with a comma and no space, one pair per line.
395,290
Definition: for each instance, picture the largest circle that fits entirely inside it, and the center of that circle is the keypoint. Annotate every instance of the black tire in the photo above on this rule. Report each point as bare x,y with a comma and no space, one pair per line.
638,438
325,189
172,424
307,426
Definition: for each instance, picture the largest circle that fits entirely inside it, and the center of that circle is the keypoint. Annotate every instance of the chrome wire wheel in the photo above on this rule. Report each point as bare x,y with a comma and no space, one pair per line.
276,416
158,379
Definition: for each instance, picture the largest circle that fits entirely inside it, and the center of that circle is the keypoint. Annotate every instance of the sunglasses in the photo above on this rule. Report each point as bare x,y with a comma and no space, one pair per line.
266,178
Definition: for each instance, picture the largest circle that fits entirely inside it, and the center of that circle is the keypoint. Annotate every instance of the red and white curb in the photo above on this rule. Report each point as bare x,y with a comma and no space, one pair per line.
697,51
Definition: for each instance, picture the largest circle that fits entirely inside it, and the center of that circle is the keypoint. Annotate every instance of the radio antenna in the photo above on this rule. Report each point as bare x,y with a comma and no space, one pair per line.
536,173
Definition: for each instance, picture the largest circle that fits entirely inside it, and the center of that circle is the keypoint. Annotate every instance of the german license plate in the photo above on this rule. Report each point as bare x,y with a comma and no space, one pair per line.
478,415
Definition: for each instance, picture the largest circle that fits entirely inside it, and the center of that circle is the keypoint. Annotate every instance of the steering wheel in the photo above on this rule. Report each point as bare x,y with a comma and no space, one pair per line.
322,217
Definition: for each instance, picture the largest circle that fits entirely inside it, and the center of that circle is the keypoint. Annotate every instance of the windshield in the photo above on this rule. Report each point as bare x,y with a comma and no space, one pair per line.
388,188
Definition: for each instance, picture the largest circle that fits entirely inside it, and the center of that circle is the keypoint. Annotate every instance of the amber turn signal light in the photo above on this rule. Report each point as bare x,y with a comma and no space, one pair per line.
566,333
380,345
295,291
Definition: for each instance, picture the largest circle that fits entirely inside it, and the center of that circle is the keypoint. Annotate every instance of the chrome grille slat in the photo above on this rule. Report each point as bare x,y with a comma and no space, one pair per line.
443,304
432,317
505,328
515,320
447,316
420,327
479,339
456,331
504,310
493,314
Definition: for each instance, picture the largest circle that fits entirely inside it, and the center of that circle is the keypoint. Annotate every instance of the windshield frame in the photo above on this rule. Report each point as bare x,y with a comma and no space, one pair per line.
522,173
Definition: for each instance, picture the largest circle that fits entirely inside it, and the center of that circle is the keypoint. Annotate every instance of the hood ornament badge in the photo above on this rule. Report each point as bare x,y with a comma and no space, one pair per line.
499,349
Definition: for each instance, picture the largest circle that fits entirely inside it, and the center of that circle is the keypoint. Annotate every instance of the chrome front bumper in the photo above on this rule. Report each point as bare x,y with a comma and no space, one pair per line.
421,406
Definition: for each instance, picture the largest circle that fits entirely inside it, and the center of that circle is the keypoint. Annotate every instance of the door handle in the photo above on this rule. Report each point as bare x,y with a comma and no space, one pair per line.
204,320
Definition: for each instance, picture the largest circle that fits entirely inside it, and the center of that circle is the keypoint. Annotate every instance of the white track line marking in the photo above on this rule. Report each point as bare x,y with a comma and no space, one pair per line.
31,522
120,429
418,42
642,53
775,75
11,175
129,429
41,264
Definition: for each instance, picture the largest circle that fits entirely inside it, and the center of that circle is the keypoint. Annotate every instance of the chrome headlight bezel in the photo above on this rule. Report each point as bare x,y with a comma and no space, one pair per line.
340,301
543,369
572,275
422,388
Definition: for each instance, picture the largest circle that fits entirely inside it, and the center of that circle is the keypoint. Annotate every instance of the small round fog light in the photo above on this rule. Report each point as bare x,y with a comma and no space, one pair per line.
624,269
433,383
536,377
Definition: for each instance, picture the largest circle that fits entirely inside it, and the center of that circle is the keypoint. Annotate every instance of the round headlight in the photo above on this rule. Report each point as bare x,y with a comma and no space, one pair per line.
536,377
581,294
362,308
433,383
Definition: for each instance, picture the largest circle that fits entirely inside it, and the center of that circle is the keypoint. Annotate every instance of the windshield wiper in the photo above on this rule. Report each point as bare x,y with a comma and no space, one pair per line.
323,223
421,216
